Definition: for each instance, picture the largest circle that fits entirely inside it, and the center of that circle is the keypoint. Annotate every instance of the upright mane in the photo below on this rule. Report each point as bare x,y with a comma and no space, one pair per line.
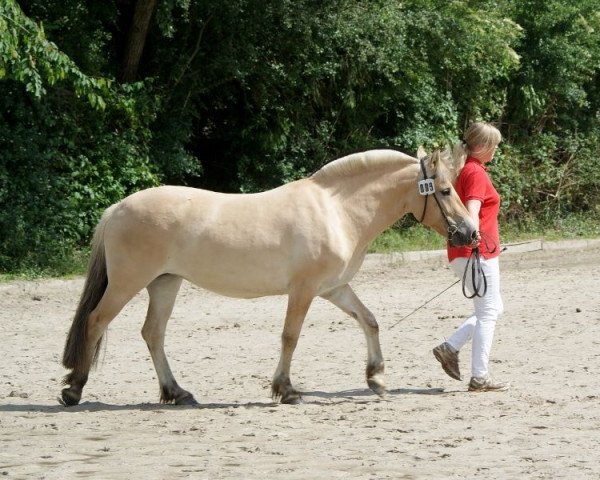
445,164
356,163
448,165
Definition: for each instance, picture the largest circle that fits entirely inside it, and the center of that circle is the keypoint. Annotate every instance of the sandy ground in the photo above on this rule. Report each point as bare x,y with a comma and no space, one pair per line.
225,351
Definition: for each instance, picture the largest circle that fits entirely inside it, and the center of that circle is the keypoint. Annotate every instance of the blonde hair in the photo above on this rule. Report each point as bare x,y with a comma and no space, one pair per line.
477,135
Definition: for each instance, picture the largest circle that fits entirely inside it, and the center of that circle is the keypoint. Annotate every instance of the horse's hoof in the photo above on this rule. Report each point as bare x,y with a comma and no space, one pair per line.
292,398
187,399
377,386
69,398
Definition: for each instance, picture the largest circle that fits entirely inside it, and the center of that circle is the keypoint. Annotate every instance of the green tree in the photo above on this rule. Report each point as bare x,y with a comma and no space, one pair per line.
552,114
71,144
99,99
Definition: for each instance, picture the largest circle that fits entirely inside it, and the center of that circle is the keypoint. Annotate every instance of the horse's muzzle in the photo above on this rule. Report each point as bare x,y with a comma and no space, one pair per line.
461,235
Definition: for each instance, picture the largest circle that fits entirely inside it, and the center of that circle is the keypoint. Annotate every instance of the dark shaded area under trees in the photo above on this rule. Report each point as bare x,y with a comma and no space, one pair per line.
100,99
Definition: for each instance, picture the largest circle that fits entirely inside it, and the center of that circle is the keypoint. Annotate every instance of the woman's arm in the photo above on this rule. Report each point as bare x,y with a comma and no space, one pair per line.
473,207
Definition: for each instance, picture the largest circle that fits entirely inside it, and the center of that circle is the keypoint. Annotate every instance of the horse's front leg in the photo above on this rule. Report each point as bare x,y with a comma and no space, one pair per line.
345,298
299,301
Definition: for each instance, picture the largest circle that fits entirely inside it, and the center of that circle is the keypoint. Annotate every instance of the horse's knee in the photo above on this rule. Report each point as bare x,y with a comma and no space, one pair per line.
146,335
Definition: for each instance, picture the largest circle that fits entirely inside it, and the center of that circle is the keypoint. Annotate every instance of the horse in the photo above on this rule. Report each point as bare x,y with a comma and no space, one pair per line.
304,239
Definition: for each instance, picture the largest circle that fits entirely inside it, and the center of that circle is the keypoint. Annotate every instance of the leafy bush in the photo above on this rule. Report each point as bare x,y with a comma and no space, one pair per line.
58,171
246,94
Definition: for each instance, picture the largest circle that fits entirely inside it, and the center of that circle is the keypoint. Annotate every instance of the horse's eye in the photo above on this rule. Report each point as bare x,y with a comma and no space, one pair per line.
446,191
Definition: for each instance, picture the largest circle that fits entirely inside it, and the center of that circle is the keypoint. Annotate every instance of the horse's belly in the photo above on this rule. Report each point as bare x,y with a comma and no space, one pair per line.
238,289
264,276
244,278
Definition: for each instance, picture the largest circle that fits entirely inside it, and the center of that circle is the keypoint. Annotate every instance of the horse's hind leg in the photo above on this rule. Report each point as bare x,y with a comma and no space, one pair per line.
111,303
345,298
299,301
163,292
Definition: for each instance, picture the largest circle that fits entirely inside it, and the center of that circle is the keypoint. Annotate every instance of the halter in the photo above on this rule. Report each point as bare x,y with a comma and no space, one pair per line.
427,188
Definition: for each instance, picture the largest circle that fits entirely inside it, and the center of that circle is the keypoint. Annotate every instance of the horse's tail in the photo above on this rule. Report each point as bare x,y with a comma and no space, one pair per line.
96,281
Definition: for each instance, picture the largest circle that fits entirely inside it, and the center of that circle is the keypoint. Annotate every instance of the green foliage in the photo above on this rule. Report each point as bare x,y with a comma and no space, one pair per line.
246,94
550,167
58,172
560,60
470,53
71,145
550,177
27,56
274,90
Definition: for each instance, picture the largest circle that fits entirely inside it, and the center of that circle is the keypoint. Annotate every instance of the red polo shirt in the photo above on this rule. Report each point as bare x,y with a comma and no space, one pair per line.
473,183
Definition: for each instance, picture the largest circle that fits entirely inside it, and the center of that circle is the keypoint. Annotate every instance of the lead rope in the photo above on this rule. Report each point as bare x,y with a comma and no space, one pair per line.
478,278
428,301
477,275
445,290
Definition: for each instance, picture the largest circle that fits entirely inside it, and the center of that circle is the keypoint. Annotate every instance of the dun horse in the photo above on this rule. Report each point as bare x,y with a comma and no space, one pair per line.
305,239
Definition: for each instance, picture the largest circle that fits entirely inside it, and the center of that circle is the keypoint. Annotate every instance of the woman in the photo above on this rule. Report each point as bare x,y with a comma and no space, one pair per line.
475,189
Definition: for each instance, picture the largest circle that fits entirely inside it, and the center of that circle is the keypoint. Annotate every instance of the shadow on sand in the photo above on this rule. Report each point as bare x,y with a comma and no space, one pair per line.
344,396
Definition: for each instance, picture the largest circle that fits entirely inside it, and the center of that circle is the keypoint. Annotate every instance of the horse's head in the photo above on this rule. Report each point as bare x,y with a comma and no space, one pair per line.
439,206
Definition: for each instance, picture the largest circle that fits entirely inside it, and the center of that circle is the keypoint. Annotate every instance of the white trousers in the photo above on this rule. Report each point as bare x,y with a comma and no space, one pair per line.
480,326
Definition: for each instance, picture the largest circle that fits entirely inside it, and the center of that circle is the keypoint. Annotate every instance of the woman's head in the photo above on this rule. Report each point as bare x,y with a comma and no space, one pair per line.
481,140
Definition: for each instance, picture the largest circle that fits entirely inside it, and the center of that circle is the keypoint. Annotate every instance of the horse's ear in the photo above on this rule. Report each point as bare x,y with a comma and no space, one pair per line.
421,153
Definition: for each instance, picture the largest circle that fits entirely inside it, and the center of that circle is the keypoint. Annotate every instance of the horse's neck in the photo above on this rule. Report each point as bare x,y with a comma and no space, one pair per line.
374,201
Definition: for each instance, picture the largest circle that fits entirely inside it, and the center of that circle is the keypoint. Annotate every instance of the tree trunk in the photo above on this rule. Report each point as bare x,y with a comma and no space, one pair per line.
137,38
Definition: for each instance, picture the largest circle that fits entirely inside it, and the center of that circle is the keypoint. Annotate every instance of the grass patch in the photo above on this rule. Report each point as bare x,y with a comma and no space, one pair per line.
406,238
566,228
67,267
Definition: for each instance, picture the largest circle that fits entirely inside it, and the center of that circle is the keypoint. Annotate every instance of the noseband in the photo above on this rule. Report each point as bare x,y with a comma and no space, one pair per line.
427,188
